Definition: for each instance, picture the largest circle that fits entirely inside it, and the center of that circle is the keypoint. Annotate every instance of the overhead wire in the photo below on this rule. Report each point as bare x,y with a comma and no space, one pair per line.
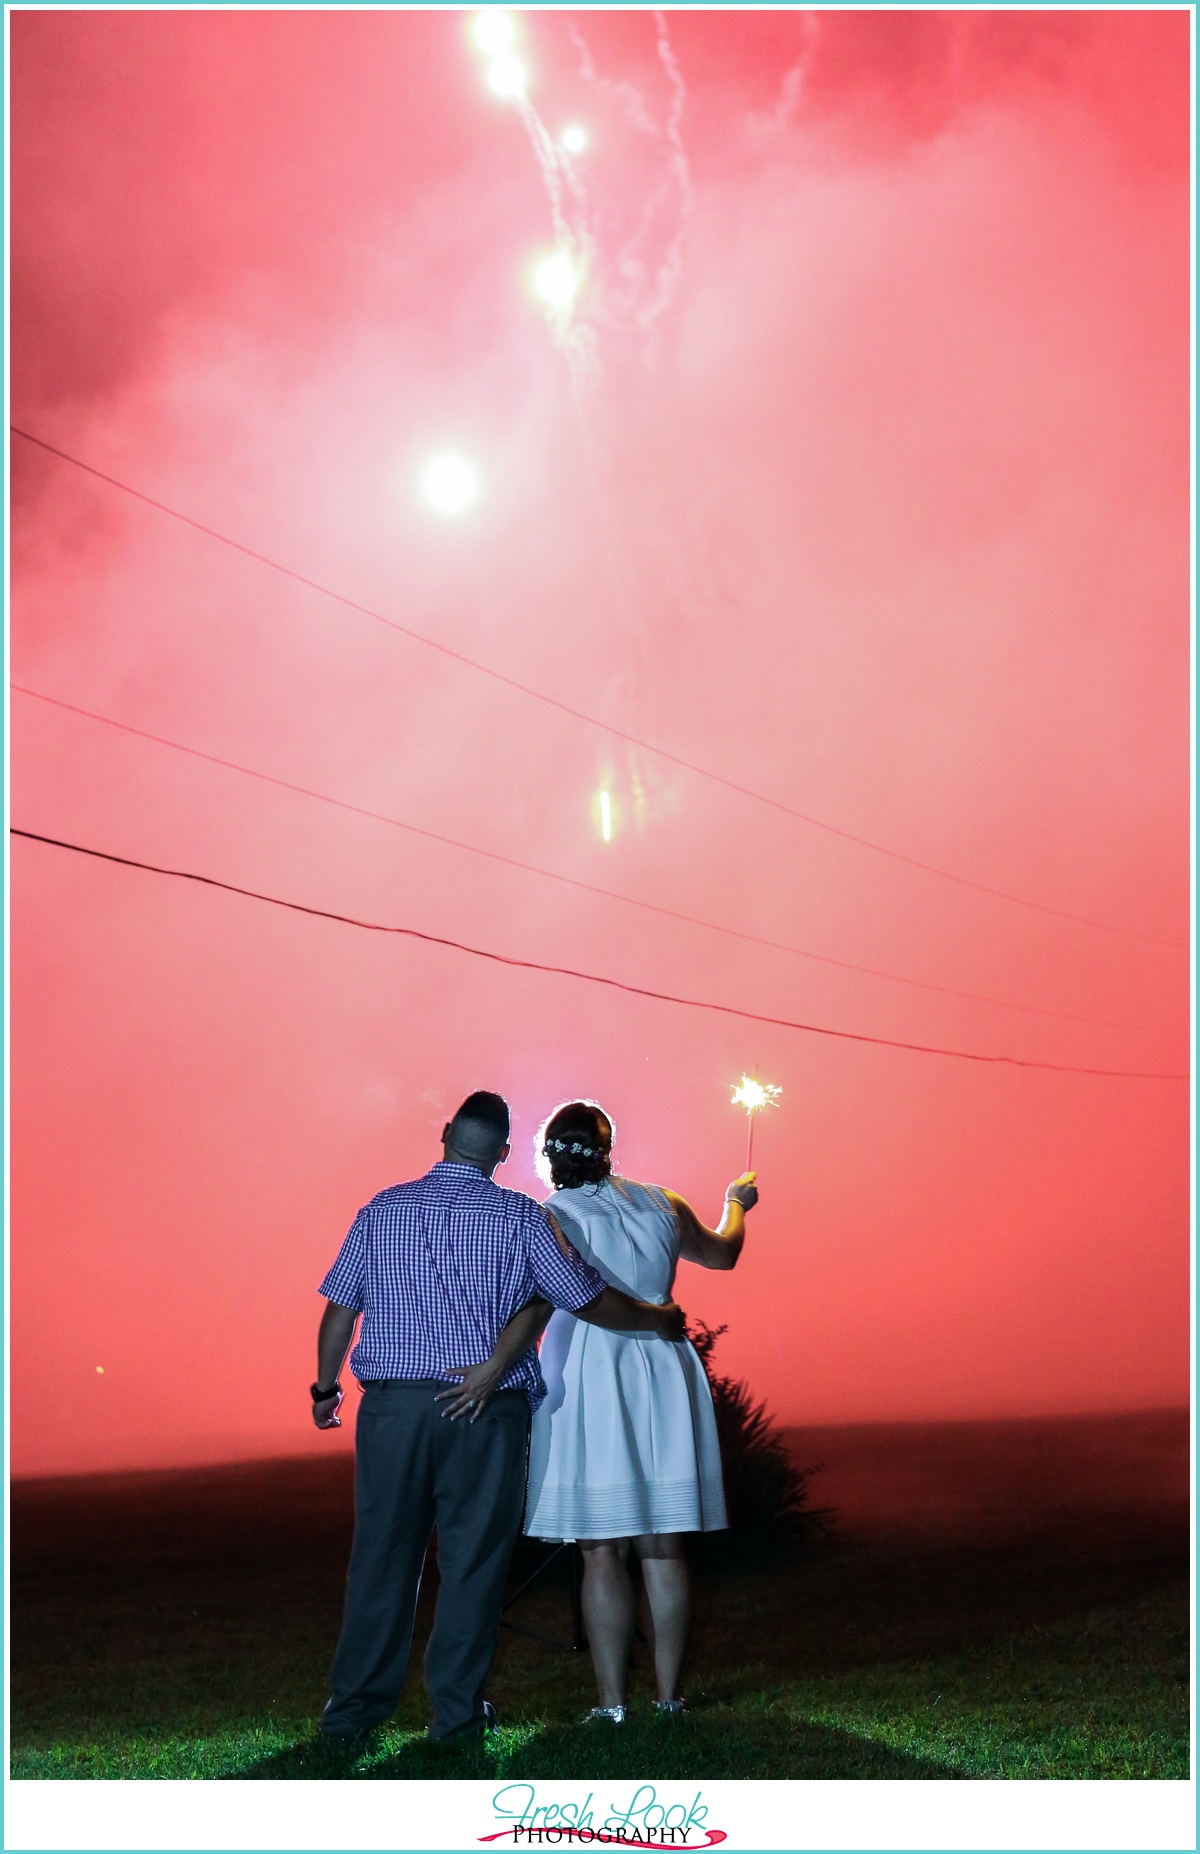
591,978
552,701
554,875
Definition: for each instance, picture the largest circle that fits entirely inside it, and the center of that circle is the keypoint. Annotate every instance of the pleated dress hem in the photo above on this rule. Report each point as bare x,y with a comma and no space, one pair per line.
629,1510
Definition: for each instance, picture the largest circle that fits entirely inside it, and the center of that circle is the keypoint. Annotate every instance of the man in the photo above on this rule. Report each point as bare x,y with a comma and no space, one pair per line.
444,1269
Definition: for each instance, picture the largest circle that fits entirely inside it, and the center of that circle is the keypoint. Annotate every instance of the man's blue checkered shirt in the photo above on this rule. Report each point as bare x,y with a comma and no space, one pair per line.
438,1266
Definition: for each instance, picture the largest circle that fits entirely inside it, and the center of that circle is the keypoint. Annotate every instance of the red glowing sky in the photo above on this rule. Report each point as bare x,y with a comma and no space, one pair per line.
873,499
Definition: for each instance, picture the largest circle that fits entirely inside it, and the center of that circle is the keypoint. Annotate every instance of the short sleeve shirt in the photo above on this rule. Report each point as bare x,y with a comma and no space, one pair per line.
438,1266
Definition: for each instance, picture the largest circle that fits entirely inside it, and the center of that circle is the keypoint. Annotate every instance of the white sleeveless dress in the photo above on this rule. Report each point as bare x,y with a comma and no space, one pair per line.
626,1440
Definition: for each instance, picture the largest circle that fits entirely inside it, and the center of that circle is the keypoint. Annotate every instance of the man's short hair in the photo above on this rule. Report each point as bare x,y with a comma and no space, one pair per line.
481,1124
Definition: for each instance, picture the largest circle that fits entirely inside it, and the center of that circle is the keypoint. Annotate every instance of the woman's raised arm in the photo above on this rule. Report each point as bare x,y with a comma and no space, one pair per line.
721,1247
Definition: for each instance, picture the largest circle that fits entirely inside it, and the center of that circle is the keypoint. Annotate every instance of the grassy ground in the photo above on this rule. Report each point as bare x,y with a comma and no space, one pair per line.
182,1627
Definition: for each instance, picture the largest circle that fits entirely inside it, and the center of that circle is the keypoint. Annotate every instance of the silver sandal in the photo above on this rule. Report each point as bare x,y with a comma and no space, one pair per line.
615,1714
670,1709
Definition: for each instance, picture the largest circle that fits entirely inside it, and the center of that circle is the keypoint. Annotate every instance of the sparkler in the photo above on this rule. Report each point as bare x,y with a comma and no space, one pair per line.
754,1095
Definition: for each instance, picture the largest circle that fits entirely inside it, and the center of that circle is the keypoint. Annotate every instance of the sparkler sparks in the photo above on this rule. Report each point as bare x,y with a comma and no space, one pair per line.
751,1094
754,1095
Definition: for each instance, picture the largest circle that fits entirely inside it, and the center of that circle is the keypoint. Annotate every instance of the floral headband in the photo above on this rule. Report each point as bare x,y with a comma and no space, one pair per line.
574,1145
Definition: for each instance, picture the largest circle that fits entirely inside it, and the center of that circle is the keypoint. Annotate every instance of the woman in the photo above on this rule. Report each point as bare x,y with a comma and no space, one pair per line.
624,1449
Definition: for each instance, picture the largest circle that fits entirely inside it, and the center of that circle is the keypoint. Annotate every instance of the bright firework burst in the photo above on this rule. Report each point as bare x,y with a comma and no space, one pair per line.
506,76
556,281
449,483
494,32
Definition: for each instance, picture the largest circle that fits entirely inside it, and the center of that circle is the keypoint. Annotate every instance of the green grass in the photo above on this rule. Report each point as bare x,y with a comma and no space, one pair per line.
1061,1655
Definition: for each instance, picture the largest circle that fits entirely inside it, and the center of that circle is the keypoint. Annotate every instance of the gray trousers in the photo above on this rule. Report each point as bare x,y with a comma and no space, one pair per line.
414,1470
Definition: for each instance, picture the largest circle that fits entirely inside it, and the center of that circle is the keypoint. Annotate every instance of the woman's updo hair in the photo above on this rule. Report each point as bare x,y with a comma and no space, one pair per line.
574,1147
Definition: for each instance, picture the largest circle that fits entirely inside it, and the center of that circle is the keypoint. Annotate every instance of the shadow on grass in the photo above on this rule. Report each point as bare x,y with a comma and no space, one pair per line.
723,1745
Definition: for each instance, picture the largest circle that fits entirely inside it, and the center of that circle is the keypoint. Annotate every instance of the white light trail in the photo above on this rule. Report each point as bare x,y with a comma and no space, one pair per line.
606,817
671,268
557,279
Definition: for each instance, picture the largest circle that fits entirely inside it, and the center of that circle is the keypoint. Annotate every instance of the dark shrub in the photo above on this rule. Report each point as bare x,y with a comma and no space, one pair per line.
764,1489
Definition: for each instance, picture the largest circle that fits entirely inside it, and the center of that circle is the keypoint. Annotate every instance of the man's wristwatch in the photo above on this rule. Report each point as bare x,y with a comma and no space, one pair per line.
323,1396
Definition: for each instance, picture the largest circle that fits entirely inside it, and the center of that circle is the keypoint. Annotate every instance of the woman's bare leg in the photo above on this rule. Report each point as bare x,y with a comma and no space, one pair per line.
669,1596
608,1614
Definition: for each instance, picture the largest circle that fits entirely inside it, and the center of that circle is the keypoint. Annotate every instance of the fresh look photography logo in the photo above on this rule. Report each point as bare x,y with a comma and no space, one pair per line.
646,1821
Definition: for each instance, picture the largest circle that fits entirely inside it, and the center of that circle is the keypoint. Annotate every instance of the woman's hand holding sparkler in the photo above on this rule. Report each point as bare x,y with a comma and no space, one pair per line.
743,1191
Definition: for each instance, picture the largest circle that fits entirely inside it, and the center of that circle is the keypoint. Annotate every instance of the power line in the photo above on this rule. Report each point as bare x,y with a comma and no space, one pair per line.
578,714
590,978
554,875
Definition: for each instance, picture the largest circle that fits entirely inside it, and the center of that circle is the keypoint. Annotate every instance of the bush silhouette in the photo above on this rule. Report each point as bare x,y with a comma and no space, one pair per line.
765,1491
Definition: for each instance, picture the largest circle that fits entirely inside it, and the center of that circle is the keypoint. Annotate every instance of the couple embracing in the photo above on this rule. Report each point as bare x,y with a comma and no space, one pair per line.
456,1280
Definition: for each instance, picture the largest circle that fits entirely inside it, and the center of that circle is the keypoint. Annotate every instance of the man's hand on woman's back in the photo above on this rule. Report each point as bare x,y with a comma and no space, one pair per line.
674,1321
